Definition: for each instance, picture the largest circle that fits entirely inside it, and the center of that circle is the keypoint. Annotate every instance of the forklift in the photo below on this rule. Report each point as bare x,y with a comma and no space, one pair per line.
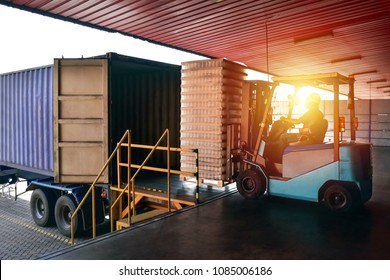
336,173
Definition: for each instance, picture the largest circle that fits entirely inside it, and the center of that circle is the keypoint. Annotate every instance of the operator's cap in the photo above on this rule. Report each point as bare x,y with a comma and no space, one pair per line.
314,98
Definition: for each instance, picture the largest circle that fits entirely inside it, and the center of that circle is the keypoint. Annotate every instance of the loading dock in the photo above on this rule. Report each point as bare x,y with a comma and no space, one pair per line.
335,33
230,201
23,239
275,229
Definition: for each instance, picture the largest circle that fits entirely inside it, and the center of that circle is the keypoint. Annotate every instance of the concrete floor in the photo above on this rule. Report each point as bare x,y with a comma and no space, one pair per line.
270,228
21,238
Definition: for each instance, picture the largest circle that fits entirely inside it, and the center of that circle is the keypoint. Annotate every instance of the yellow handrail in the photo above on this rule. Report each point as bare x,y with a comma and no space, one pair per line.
172,171
127,135
131,182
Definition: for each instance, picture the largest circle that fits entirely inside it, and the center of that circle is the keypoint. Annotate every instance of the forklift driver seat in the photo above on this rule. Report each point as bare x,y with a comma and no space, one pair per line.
318,131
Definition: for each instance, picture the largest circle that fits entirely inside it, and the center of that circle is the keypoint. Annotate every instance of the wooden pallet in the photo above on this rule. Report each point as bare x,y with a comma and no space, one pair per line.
203,181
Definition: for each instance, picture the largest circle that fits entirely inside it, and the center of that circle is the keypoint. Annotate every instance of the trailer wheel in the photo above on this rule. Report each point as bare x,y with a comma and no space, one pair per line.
250,184
42,207
338,198
65,207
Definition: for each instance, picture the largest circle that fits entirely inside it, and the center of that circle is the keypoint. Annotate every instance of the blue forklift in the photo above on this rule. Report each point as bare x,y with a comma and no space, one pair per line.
337,173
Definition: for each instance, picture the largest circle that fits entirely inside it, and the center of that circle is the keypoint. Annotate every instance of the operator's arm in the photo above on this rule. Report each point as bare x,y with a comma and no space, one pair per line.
305,118
291,121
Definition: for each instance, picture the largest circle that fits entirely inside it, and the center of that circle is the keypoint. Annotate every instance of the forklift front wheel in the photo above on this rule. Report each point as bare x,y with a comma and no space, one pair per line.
251,184
338,198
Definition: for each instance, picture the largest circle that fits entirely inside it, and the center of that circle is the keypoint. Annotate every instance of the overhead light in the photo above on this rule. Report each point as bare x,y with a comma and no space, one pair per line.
377,81
313,37
343,59
364,72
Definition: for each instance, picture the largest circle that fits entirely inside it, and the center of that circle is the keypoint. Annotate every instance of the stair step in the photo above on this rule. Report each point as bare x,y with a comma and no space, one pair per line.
139,218
158,194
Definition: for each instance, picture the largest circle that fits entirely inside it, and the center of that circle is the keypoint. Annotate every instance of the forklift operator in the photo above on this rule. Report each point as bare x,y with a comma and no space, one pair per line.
310,120
312,132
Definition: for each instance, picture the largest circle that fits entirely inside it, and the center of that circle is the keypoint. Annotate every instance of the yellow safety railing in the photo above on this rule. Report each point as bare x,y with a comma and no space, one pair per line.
167,170
125,136
131,180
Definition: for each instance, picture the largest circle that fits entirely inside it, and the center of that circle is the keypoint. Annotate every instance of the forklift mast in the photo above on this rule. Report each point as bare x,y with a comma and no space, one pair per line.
256,117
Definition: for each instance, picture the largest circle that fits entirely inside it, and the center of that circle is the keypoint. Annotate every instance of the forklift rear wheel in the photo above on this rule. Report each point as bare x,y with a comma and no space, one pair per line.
250,184
64,209
42,207
338,198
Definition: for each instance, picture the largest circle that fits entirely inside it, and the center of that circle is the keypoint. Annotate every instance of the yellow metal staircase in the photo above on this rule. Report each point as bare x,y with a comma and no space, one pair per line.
126,196
157,202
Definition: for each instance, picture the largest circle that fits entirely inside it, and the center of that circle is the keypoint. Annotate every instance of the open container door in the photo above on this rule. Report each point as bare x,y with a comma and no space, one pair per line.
80,119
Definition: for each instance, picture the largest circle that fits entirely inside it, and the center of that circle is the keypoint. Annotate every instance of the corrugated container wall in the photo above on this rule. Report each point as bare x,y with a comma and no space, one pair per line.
26,120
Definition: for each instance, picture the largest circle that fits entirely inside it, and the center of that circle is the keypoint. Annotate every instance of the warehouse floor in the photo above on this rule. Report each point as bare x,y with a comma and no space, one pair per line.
22,239
270,228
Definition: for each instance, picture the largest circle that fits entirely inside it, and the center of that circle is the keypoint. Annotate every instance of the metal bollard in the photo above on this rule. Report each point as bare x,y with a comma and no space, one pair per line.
2,190
9,191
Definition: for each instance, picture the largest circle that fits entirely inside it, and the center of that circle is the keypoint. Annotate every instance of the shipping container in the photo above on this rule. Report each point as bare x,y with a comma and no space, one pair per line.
97,99
63,121
26,120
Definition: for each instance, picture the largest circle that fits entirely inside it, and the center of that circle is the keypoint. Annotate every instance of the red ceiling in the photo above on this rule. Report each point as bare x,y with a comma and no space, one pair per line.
251,31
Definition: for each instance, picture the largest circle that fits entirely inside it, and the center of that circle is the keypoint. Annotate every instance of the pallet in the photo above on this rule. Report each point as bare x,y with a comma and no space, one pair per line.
207,182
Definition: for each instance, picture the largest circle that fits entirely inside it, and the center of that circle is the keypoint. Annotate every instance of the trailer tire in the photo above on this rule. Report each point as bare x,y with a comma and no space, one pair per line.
337,198
42,207
64,208
251,184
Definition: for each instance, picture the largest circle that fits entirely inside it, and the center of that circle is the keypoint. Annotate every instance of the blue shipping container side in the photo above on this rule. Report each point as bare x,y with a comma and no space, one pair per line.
26,120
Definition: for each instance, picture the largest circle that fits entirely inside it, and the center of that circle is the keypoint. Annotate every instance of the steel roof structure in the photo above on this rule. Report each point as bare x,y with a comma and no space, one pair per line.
284,37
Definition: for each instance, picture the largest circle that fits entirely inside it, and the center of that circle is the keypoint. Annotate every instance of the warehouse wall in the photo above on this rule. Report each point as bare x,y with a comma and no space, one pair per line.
373,116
